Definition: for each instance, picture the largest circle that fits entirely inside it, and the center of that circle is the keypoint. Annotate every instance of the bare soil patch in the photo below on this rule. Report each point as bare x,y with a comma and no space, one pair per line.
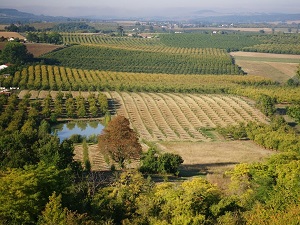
41,49
37,49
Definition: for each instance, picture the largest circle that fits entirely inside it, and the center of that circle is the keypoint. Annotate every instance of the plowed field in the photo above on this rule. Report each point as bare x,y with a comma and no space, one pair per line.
181,117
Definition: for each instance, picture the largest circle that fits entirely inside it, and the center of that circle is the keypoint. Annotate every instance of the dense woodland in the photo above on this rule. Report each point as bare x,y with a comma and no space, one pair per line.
40,183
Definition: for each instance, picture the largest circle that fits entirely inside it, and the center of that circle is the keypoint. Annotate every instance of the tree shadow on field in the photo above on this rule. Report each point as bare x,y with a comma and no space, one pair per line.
202,169
48,61
113,105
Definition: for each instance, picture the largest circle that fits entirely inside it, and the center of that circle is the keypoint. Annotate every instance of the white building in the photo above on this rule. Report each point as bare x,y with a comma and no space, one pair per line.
3,67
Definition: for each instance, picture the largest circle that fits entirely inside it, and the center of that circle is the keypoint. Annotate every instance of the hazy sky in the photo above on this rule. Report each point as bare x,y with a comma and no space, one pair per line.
144,7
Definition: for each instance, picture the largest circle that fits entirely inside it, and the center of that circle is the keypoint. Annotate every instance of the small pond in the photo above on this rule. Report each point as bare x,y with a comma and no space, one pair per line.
84,128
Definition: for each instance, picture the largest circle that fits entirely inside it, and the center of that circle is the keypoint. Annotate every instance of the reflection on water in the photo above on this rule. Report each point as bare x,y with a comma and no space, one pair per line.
83,128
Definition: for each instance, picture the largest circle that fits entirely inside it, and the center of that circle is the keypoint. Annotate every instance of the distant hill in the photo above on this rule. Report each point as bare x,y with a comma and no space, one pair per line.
8,16
248,18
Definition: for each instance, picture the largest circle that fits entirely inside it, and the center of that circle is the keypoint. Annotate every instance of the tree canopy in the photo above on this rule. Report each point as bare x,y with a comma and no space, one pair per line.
15,53
119,141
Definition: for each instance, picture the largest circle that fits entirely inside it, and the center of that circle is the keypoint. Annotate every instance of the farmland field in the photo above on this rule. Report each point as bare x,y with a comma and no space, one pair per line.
278,67
182,117
213,158
199,157
11,35
41,49
174,116
2,27
237,29
36,49
203,61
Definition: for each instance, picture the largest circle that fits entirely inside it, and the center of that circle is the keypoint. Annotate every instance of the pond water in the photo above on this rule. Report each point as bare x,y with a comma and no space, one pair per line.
83,128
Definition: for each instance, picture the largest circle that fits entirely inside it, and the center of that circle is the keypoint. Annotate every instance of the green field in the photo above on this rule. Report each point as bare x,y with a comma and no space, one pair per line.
211,61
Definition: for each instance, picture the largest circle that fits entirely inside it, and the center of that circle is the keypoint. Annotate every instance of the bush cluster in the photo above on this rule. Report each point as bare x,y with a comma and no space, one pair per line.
154,163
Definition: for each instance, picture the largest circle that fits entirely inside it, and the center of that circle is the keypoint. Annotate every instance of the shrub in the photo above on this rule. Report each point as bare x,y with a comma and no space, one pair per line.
169,163
166,163
76,138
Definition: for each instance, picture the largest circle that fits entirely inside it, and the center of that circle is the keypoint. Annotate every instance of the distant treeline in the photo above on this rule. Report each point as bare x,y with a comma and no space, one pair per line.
19,28
43,37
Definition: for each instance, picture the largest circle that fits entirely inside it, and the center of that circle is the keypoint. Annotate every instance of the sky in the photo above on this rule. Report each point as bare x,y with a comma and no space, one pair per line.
147,8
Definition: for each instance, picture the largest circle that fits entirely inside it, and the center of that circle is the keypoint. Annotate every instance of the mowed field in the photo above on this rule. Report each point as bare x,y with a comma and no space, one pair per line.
214,158
278,67
200,158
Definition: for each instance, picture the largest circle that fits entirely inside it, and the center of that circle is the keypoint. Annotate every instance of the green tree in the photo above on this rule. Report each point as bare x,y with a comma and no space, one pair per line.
25,192
119,202
32,37
44,129
152,162
169,163
119,141
103,103
53,213
294,111
266,104
86,160
120,30
107,118
15,53
70,107
54,38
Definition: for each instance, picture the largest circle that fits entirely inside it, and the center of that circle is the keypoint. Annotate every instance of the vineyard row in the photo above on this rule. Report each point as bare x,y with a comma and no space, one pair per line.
42,77
210,61
182,117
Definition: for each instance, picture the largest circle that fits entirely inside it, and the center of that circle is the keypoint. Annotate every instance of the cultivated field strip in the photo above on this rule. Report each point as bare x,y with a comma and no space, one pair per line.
181,117
95,156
